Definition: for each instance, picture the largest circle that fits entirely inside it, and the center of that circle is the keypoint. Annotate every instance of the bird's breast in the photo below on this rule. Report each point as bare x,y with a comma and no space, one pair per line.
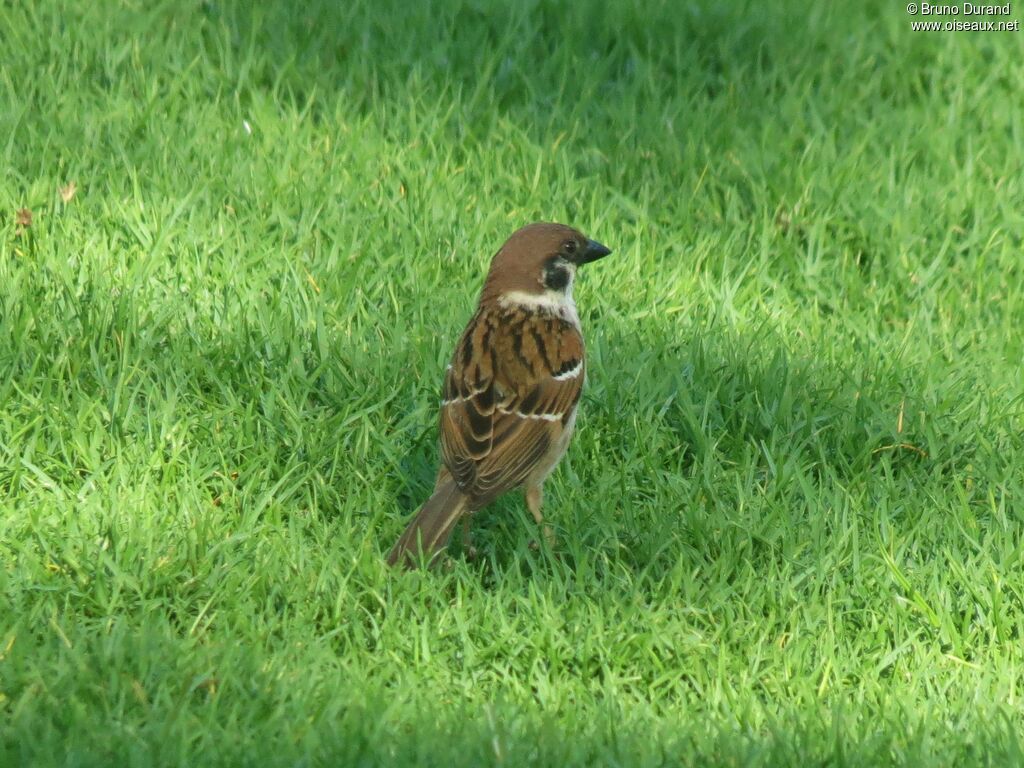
551,303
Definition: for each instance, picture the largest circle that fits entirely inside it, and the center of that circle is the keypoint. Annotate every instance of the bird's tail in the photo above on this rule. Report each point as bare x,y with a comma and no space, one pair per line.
429,531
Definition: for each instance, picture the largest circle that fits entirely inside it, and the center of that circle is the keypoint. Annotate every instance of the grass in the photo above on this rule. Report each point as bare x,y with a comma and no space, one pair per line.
790,524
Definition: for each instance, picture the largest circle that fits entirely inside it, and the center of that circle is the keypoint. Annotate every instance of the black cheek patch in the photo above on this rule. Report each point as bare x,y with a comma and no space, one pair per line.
556,277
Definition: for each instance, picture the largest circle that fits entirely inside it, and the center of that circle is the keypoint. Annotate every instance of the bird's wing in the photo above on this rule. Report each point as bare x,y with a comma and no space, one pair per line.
512,386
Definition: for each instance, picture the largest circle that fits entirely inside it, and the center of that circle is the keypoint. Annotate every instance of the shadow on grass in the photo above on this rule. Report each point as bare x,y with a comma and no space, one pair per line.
370,727
324,44
684,428
548,66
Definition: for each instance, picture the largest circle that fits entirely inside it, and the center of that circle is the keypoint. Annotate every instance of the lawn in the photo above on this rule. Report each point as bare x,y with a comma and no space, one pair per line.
236,248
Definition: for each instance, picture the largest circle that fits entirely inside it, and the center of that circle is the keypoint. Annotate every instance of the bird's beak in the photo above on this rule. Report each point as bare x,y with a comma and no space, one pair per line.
593,252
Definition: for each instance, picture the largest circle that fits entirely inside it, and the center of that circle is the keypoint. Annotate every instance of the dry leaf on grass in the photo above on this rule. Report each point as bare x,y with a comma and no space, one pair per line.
22,220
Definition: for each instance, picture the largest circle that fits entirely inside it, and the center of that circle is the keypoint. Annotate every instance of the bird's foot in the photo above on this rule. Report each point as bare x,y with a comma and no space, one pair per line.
549,540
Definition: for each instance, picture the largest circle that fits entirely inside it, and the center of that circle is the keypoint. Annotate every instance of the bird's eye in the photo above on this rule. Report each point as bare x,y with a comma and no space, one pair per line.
569,246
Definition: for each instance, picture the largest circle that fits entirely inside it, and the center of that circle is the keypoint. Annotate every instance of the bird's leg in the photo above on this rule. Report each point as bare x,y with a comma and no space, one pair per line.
467,539
534,500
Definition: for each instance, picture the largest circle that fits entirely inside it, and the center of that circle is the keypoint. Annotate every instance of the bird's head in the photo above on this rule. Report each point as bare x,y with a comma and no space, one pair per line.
538,263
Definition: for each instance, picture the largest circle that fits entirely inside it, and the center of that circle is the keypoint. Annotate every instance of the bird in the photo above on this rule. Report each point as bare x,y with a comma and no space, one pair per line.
511,388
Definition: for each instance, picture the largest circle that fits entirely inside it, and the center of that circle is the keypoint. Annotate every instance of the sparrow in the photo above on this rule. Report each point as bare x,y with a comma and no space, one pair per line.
512,387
